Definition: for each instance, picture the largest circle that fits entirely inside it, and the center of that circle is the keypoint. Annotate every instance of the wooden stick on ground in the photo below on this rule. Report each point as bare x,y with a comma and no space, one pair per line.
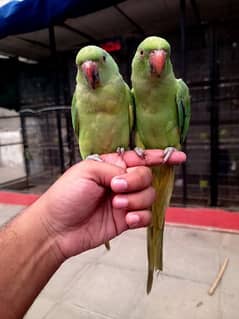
219,277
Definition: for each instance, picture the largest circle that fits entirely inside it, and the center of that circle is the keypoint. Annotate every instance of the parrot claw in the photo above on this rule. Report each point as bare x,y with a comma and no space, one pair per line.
139,151
167,153
94,157
120,150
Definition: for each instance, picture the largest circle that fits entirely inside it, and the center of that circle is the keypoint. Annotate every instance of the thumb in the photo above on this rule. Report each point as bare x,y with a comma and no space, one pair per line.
102,172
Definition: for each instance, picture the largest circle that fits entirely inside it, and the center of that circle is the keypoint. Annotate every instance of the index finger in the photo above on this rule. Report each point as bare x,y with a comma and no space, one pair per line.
153,157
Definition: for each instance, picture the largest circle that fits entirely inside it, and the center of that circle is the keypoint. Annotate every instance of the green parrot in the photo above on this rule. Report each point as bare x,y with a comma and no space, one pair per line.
102,113
162,106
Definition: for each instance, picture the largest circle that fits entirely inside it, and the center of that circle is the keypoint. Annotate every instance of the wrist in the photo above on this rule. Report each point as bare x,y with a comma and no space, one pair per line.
49,236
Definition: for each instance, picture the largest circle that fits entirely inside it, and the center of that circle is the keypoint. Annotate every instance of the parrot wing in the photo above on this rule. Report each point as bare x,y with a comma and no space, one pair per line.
75,117
184,110
131,109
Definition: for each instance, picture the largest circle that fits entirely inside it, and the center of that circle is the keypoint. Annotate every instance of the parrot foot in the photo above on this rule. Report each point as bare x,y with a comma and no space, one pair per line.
94,157
139,151
168,151
120,151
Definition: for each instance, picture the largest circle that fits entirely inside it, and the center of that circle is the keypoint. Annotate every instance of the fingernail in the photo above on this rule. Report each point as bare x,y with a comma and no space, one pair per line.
119,184
121,202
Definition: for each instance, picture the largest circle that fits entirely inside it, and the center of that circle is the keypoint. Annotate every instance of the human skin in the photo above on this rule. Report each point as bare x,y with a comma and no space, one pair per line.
91,203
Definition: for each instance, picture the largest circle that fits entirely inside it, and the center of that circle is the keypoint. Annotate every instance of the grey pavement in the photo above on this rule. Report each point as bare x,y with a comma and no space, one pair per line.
111,285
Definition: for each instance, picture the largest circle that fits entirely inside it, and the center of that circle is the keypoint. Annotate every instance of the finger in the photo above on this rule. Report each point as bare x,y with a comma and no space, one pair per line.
136,178
153,157
100,172
135,201
114,159
137,219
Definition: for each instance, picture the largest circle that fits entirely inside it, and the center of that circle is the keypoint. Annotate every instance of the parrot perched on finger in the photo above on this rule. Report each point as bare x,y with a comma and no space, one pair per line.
102,113
162,106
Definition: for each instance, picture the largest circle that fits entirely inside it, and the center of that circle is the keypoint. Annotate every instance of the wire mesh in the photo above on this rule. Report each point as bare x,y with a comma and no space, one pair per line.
50,146
46,158
11,148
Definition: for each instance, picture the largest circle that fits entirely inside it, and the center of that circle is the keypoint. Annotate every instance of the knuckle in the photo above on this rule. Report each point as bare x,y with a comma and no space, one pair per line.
150,196
153,192
145,175
147,197
146,217
150,174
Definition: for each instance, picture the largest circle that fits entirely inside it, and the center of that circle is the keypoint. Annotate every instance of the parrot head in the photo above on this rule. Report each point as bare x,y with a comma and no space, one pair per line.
95,66
152,57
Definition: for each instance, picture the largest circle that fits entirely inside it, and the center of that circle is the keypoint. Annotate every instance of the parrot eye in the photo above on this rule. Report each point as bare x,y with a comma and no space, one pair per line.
141,52
104,58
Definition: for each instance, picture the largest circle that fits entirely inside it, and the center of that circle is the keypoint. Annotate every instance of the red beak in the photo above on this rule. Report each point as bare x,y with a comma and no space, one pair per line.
157,60
90,70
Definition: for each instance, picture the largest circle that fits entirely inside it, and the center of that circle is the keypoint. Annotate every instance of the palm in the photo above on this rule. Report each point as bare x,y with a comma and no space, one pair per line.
103,221
89,230
80,203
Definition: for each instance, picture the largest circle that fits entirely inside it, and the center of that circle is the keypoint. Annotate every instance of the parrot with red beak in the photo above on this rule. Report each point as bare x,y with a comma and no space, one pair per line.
162,106
101,110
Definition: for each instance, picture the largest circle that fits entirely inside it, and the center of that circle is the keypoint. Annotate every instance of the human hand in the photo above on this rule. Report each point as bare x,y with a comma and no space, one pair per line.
95,201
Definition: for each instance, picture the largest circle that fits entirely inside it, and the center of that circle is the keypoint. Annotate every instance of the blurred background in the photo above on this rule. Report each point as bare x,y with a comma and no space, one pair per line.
37,62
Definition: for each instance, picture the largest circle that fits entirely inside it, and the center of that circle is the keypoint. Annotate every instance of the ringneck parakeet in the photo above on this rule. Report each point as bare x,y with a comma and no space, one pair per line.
162,105
101,106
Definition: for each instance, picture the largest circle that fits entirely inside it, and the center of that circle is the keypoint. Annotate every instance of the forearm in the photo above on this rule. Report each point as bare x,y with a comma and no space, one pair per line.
28,258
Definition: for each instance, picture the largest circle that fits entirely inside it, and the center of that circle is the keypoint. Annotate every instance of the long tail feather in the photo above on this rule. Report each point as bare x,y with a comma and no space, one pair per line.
163,180
150,249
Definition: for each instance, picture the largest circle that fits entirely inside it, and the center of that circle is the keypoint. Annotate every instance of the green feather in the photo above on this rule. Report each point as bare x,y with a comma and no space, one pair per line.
101,116
184,110
74,116
162,105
